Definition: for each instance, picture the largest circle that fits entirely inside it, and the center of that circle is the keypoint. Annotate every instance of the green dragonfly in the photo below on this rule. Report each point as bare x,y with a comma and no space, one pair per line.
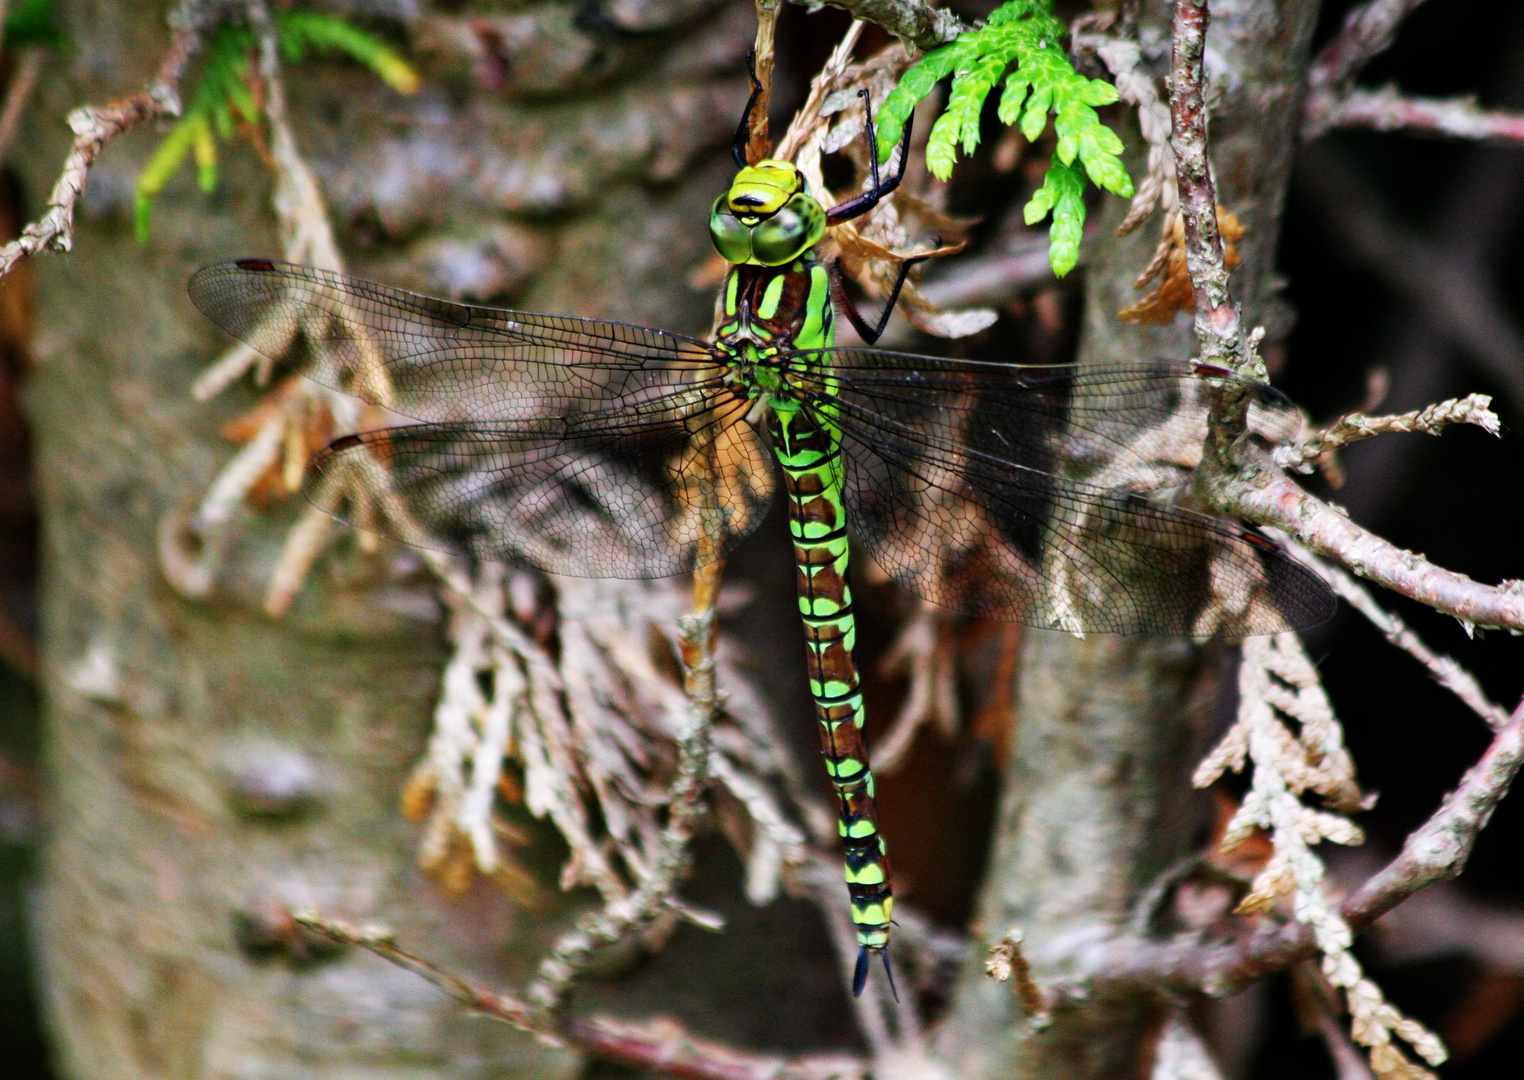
1031,494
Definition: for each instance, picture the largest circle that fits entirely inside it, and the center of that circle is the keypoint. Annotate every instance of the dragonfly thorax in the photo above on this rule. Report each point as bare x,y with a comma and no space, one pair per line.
776,309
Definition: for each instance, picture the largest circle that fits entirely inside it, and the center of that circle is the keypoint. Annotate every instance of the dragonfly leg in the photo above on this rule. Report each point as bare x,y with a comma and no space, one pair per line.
847,307
881,187
743,132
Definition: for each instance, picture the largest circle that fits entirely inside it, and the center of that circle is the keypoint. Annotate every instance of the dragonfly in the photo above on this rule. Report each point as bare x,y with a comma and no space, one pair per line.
591,448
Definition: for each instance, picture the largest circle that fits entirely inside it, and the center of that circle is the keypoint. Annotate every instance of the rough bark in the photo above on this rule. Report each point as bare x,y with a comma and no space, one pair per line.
583,156
1098,802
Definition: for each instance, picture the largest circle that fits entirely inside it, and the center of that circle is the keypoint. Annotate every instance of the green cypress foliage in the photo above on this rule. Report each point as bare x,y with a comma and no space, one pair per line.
1025,34
30,22
223,100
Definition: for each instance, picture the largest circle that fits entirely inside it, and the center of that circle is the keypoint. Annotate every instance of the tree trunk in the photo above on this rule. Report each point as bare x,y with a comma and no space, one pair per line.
211,765
1098,801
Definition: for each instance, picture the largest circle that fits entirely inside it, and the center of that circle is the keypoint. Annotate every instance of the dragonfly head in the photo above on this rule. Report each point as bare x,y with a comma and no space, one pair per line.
768,216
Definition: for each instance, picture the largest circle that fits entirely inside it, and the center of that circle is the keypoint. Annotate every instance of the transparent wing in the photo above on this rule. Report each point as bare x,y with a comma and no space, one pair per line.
437,361
1017,493
651,496
1083,419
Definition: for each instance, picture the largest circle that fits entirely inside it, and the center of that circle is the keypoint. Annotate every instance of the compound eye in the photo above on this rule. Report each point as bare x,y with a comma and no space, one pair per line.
731,239
789,232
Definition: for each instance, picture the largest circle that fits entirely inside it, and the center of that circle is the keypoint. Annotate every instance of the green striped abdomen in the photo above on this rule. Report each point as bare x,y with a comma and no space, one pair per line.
810,456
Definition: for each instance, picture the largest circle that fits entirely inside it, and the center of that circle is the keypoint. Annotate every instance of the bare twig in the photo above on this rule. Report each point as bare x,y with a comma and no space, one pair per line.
1445,671
759,143
1332,102
1319,1009
1443,920
1439,849
992,279
306,233
1218,326
382,942
618,920
1304,456
924,654
1435,852
1367,32
1387,109
96,125
1270,498
1451,289
18,93
661,1046
915,23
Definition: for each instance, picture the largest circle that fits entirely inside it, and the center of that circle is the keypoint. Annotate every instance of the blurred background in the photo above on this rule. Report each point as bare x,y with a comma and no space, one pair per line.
1402,286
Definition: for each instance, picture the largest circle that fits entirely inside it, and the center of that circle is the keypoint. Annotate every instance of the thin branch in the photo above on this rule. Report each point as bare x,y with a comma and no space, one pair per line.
1305,455
1445,671
1445,920
1436,851
993,279
655,896
663,1046
18,93
660,1045
96,125
1451,290
1270,498
307,234
1439,849
1218,324
915,23
1387,109
384,944
764,55
1368,31
1318,1004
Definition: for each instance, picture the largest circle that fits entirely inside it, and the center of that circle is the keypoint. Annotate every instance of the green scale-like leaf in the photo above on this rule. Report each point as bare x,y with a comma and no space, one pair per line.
1024,39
